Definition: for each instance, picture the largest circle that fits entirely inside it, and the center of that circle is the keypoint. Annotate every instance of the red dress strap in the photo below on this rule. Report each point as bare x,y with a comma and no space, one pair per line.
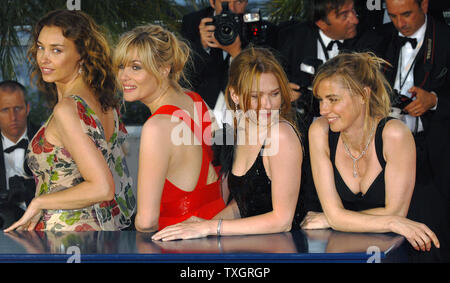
198,132
205,201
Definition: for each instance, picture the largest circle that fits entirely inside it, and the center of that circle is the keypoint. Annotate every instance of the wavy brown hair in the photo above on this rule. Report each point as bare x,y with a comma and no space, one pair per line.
94,51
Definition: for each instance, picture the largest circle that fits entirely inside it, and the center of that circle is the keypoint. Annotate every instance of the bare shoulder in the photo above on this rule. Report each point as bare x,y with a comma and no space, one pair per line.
319,128
65,106
157,129
287,133
65,112
283,140
396,131
158,123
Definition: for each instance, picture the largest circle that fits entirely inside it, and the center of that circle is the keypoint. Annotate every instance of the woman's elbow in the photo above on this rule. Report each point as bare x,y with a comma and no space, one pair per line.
286,228
282,225
143,225
400,211
334,223
107,190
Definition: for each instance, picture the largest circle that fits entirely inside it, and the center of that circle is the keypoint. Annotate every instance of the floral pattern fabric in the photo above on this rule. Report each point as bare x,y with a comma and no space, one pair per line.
54,170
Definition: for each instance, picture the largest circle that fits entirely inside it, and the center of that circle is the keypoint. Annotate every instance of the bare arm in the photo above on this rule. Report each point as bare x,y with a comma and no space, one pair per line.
285,169
398,150
345,220
98,184
154,155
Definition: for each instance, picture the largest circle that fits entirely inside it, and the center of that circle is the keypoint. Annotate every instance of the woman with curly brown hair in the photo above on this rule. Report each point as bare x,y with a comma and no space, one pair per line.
81,175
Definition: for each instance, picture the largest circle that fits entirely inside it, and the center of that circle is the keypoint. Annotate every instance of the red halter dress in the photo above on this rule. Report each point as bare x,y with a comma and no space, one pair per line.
205,201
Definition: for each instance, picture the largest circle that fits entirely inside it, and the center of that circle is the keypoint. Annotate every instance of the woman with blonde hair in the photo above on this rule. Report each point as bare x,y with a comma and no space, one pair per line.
264,168
82,180
363,162
176,178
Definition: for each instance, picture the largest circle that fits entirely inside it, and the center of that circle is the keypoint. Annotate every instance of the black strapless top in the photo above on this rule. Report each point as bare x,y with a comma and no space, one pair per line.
253,192
375,195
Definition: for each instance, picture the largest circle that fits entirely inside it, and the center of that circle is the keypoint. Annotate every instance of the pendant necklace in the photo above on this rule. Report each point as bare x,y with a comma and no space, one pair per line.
355,159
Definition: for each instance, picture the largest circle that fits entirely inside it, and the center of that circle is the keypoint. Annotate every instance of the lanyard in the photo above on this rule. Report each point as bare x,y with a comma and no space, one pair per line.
400,83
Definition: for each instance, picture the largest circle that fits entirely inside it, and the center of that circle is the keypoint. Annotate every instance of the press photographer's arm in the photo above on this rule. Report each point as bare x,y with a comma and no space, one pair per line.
424,101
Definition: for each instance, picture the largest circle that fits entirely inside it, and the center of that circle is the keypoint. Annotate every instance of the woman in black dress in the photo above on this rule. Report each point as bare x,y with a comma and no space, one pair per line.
264,168
363,163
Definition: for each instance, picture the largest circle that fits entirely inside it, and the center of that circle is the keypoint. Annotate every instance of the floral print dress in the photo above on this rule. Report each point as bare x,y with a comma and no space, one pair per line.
54,170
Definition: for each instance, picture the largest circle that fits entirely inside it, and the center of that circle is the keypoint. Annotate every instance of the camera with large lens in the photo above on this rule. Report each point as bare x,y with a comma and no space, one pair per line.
248,26
228,26
20,190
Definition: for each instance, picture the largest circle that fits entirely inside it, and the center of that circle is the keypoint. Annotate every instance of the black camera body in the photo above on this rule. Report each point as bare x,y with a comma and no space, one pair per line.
400,100
304,105
229,26
20,190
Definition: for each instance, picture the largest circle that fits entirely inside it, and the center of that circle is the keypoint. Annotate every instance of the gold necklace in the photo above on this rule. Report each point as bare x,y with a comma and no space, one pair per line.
355,159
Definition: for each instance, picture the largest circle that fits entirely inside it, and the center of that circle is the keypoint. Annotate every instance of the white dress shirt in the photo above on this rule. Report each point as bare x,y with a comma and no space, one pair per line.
326,40
405,63
14,160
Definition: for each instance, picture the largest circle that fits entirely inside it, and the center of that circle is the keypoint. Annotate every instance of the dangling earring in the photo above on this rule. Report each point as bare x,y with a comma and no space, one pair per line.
80,70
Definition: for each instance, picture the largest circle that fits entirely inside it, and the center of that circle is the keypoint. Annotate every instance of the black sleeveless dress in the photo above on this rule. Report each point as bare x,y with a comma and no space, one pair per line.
253,192
426,206
375,195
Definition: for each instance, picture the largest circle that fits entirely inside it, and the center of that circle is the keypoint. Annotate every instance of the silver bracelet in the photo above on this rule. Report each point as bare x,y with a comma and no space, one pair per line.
219,226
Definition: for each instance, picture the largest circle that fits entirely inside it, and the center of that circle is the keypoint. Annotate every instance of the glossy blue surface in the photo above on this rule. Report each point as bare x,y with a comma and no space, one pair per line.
131,246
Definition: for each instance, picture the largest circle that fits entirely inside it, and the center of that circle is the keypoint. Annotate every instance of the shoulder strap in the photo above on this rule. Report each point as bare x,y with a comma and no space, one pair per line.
332,143
88,118
379,140
198,132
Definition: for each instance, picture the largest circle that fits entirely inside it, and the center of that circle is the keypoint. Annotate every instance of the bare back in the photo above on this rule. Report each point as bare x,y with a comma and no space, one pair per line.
186,151
106,119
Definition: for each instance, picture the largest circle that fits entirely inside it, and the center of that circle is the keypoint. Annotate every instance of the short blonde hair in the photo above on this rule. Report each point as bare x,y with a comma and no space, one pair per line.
157,48
356,72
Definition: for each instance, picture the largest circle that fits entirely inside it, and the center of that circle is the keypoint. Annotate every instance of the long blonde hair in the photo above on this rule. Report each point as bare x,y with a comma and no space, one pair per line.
358,71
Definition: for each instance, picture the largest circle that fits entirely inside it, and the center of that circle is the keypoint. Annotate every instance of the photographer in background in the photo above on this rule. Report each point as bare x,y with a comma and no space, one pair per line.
418,47
17,186
209,69
332,27
210,59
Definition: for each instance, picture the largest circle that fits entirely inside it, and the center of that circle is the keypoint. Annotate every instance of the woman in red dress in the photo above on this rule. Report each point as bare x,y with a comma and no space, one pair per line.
176,178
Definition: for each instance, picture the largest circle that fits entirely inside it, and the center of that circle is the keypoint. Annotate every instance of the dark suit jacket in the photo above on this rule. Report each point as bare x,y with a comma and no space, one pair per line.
438,74
32,129
431,75
299,41
207,73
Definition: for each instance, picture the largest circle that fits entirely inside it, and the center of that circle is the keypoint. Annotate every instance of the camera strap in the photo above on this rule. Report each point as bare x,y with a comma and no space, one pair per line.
428,58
